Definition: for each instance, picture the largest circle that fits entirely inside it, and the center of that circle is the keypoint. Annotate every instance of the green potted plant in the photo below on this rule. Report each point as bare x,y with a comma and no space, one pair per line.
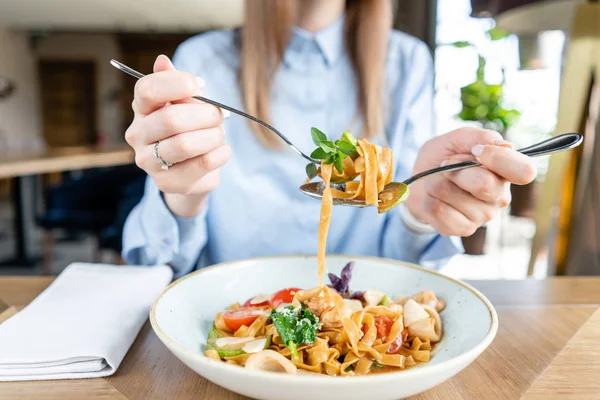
482,103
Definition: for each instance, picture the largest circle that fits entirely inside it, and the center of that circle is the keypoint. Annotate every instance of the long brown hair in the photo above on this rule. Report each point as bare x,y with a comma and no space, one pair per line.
264,38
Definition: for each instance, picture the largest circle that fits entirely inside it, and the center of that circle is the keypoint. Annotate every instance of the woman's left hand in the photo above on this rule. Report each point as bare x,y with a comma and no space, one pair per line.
457,203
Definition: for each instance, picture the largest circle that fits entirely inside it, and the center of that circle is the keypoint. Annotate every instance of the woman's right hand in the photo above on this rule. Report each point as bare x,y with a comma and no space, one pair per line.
189,132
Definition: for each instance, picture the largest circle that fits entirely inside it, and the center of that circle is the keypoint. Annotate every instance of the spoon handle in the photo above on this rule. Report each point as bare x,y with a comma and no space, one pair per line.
139,75
554,144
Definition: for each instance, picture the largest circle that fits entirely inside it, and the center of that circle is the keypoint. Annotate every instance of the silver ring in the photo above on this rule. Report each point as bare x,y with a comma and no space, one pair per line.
163,164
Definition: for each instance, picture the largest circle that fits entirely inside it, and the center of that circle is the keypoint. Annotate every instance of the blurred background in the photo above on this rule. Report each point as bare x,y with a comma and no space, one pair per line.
66,176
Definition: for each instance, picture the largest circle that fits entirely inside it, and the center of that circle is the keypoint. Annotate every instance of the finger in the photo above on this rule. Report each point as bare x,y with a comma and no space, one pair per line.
185,146
208,183
446,220
462,140
162,63
155,90
177,118
480,183
477,211
199,92
508,164
225,113
185,177
191,100
457,158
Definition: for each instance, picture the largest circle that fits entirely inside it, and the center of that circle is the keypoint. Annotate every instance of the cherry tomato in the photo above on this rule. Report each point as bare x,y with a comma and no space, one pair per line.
365,329
396,345
235,319
283,296
383,325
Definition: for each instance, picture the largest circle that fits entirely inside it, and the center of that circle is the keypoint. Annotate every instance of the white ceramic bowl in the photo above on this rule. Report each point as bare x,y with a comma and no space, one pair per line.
184,312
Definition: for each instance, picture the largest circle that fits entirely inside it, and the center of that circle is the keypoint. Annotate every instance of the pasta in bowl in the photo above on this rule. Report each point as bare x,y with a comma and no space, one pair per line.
328,330
189,318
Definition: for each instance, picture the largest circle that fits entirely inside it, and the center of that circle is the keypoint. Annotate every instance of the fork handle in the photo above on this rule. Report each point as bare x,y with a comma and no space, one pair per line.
554,144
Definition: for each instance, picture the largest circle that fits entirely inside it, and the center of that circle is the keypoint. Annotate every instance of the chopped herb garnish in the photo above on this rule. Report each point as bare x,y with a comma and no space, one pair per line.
377,365
295,327
349,368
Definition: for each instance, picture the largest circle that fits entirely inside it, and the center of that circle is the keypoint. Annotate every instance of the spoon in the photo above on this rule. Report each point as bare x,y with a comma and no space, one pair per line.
395,193
136,74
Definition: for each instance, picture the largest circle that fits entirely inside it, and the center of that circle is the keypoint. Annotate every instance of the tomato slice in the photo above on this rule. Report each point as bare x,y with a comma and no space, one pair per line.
235,319
283,296
365,329
396,345
383,325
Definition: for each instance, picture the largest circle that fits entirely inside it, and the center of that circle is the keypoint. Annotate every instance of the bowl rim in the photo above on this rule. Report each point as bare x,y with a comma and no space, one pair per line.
427,368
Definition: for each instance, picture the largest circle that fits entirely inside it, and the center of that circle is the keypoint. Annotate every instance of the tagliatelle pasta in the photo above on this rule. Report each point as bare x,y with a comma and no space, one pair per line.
350,336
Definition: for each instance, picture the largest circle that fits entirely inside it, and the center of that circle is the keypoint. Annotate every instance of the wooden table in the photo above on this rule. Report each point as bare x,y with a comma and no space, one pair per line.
529,358
26,166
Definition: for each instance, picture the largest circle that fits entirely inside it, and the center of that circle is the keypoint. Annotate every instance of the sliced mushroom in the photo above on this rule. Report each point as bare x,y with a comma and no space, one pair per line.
437,321
261,298
272,361
354,305
425,329
413,312
255,346
232,343
373,297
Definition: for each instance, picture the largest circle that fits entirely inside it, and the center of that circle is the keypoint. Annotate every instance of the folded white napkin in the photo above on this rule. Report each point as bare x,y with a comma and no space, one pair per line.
82,325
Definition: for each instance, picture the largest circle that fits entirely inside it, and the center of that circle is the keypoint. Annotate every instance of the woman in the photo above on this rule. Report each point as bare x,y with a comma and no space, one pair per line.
332,64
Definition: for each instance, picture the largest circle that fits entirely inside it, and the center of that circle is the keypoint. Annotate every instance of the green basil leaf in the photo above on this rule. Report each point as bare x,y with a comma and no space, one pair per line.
319,154
347,136
317,136
311,170
346,148
337,162
328,146
328,160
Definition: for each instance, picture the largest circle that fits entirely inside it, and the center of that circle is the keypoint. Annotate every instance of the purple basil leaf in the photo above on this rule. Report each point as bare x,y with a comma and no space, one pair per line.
347,275
357,295
335,281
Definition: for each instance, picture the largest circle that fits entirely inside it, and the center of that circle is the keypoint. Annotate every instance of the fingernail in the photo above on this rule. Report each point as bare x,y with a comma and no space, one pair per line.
502,142
477,150
201,82
444,163
168,60
226,113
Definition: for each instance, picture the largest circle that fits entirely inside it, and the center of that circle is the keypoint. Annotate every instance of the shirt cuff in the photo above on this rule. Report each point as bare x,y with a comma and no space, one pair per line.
155,236
412,223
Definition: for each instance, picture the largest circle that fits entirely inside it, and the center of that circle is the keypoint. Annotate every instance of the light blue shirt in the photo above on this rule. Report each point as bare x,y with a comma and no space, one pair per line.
257,209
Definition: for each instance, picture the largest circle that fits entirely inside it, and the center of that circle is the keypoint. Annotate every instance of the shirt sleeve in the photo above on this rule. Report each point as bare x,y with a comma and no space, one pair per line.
430,250
154,236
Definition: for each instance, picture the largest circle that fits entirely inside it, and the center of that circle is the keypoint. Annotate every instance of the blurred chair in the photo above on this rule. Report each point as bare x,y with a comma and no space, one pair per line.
89,204
111,236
